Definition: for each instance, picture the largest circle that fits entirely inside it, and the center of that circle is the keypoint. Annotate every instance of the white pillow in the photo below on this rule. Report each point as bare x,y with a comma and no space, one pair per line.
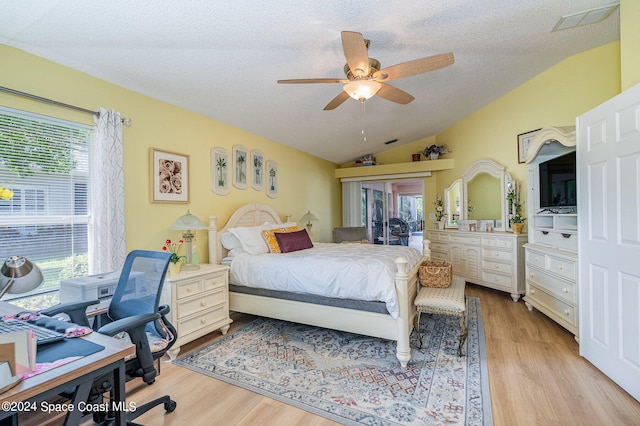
250,238
230,241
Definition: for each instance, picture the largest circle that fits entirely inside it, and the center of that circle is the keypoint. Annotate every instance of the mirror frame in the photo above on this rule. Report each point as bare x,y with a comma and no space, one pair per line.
447,203
496,170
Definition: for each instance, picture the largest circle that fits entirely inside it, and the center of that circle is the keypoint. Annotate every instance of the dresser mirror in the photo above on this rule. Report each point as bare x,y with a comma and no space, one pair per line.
483,193
452,203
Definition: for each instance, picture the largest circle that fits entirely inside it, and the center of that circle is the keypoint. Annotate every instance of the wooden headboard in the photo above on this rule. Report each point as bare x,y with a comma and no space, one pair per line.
247,215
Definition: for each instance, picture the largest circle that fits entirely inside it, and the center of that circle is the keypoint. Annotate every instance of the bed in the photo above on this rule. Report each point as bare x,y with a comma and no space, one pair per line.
328,312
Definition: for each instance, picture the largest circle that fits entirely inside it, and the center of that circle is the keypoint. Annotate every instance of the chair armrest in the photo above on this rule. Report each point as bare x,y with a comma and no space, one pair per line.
128,324
77,311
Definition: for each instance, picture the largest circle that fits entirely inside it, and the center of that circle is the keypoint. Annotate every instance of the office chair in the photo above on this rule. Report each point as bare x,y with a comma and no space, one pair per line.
135,310
401,229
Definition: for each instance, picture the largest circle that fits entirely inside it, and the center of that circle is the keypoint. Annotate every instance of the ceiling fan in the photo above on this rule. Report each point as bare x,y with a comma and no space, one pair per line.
365,78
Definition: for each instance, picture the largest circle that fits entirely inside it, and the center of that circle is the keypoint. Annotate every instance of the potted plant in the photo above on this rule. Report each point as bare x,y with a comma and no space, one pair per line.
515,208
435,151
175,262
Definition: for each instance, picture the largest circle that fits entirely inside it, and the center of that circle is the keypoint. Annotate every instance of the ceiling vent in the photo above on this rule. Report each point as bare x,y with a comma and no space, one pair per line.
587,17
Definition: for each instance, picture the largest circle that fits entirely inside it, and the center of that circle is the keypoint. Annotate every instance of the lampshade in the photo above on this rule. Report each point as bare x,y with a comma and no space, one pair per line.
361,90
188,222
18,275
308,216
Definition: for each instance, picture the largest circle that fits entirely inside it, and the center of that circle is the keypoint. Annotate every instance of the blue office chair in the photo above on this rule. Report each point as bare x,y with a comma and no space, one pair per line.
135,312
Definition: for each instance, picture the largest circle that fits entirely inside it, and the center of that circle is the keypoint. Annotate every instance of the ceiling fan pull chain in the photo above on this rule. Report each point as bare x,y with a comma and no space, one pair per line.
364,137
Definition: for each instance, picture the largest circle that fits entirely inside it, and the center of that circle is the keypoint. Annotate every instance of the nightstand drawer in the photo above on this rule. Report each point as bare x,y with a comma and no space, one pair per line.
188,288
216,281
203,302
200,322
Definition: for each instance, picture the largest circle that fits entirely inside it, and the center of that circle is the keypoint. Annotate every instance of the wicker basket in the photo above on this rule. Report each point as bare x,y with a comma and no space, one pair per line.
435,273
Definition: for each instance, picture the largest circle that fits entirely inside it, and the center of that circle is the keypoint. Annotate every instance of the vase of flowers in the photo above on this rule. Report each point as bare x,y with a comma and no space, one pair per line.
440,214
175,262
435,151
515,208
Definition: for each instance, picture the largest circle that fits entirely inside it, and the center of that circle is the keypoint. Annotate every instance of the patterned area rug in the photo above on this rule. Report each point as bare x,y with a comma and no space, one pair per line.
354,379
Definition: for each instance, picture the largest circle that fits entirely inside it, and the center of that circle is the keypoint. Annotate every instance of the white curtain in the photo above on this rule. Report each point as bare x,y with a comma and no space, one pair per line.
107,245
351,204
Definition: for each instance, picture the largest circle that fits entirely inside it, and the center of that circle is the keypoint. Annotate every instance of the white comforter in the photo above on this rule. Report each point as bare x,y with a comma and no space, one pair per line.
346,271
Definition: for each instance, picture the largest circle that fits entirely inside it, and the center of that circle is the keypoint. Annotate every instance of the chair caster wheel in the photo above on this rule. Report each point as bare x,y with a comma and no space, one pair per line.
170,406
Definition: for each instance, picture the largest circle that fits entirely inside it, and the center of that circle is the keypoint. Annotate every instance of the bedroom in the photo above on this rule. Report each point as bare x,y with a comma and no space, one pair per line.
308,183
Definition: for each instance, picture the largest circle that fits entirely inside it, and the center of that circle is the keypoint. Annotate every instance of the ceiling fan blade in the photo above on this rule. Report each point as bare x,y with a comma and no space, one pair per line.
417,66
394,94
355,50
337,101
313,80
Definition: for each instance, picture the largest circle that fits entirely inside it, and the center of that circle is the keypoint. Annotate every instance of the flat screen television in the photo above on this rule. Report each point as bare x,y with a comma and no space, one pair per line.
558,182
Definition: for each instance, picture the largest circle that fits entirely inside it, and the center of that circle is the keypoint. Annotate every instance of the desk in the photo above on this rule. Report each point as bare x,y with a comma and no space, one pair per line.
80,373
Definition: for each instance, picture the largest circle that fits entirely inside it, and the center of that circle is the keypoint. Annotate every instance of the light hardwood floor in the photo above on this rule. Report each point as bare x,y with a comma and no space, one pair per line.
535,373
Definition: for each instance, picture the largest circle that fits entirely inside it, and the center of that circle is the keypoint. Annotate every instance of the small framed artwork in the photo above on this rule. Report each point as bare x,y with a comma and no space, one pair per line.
240,166
169,177
257,167
524,140
220,167
272,179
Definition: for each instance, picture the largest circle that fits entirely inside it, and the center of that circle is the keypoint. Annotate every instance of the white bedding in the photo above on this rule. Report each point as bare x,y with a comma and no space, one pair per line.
346,271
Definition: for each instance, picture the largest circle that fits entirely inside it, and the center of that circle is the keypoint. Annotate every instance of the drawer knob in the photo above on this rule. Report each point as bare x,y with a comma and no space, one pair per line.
203,303
533,292
531,274
566,312
203,321
566,290
559,266
497,266
189,289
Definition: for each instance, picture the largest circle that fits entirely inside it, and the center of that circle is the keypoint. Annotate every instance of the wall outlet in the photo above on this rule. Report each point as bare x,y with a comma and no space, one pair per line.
432,216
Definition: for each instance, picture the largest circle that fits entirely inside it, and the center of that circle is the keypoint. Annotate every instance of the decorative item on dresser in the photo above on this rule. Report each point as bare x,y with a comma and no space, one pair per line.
552,251
199,302
489,259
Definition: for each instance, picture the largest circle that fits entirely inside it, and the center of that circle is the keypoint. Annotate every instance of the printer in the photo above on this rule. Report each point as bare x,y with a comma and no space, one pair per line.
92,287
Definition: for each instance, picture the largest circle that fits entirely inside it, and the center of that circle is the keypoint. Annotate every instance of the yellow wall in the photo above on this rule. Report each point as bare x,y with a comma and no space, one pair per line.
630,42
305,182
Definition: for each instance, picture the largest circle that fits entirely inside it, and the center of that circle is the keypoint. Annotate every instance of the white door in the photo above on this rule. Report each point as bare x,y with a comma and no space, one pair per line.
608,157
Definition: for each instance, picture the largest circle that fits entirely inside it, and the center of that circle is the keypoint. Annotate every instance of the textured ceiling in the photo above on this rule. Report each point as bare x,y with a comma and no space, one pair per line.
222,59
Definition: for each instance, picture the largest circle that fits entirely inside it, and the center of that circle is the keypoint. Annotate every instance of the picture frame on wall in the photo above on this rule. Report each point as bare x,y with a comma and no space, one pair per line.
240,166
272,178
524,140
257,169
220,171
169,176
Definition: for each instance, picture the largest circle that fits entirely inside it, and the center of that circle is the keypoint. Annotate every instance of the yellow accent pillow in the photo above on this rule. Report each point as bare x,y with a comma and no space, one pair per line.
269,236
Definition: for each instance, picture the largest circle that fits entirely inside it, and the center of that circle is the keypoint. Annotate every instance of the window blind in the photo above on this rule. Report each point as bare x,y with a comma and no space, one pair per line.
45,162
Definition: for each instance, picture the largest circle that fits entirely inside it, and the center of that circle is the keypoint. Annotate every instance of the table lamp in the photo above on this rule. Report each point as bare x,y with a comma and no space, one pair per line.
18,275
187,224
309,217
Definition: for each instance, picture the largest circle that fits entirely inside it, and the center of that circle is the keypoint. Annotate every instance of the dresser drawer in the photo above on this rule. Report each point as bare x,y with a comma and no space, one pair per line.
505,281
202,321
497,242
205,301
563,267
437,255
562,289
556,306
465,240
503,268
535,258
505,256
437,236
439,247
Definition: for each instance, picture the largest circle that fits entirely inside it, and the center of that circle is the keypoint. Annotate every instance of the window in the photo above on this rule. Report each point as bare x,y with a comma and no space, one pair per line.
45,162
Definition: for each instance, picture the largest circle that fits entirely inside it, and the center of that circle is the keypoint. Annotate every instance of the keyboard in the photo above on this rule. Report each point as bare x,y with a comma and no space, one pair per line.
43,335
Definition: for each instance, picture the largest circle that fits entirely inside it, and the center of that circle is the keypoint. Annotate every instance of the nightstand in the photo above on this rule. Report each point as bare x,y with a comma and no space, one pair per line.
199,302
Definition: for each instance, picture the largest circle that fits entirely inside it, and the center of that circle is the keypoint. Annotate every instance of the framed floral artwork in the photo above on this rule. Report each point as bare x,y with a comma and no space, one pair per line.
257,170
240,166
272,179
524,140
169,176
220,171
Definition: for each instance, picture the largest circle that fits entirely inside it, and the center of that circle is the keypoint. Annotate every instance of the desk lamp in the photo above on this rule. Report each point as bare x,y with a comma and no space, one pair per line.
18,275
309,217
188,223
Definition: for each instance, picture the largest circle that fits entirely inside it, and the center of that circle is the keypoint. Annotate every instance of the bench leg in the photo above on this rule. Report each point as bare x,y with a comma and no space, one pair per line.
416,327
463,332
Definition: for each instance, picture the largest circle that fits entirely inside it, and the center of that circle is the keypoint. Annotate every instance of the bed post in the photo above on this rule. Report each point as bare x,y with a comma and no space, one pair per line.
403,348
213,241
426,248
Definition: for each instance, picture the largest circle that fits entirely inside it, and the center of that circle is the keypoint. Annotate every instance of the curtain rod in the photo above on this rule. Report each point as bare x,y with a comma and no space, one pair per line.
125,121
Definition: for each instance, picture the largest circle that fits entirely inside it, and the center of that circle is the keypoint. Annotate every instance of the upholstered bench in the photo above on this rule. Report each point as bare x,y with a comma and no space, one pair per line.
443,301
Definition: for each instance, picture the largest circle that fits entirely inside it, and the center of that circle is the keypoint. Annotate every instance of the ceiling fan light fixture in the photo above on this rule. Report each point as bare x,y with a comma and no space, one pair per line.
361,90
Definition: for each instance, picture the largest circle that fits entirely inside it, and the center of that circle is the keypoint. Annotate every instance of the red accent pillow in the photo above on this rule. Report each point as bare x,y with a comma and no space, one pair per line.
293,241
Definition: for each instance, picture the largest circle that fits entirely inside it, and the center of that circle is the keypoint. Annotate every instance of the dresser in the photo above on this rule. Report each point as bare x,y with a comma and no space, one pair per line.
489,259
199,302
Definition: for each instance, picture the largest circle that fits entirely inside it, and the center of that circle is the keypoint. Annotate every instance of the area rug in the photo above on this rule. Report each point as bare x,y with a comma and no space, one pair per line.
354,379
